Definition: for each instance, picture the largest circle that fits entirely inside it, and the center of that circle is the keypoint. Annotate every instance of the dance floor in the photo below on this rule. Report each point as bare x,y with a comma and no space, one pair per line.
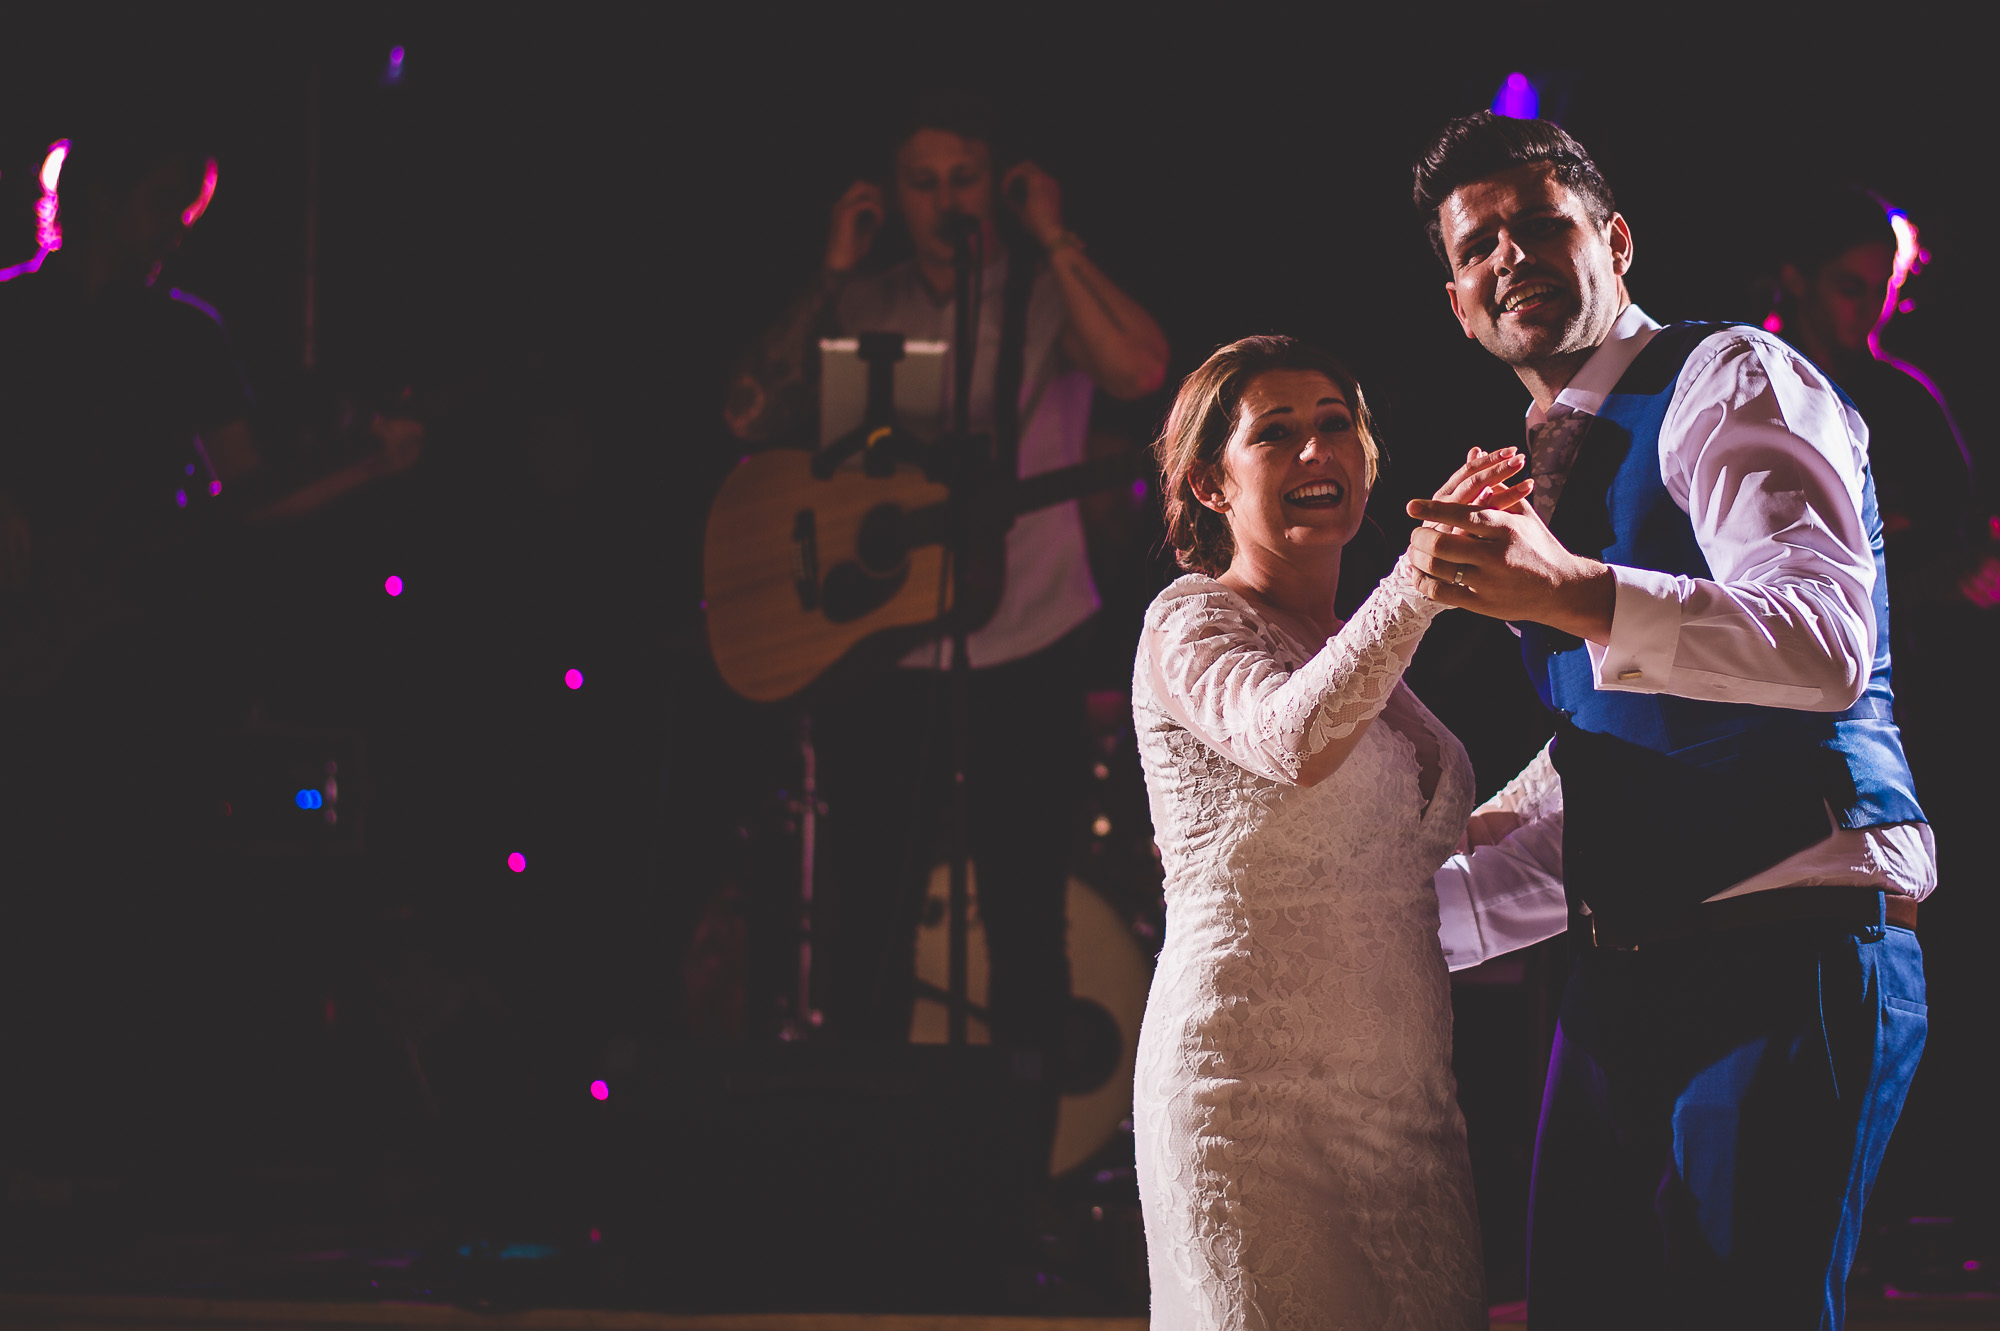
53,1312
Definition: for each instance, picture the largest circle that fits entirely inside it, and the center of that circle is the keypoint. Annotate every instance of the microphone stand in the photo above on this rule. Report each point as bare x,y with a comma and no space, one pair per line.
963,456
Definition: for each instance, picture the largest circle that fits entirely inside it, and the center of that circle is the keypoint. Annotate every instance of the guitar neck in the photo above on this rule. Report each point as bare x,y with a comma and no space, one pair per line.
932,524
1065,483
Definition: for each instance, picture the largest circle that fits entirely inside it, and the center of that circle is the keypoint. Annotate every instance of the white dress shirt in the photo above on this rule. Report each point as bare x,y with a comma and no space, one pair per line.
1764,457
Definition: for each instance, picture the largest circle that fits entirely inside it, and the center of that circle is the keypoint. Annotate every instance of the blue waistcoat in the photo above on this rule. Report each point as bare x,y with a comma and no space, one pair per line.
1670,800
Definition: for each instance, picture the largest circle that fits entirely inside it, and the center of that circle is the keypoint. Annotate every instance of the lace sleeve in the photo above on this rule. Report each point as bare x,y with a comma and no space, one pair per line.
1216,674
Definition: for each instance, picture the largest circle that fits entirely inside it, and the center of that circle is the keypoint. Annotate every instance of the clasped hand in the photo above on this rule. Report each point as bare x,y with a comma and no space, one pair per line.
1484,548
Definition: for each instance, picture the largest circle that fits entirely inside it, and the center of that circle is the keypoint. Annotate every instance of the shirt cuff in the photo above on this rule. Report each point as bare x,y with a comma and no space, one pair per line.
1458,920
1645,631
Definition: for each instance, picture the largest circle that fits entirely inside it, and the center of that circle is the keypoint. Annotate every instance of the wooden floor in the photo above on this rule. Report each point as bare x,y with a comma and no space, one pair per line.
78,1312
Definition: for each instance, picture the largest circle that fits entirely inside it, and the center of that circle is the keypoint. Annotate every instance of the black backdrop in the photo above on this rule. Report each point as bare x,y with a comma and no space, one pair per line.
581,214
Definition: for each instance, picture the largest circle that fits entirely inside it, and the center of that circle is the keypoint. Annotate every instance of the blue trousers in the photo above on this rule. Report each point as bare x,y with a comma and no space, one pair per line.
1714,1116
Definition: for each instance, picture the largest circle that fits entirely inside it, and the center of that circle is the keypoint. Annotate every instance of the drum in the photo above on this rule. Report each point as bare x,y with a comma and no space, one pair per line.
1109,975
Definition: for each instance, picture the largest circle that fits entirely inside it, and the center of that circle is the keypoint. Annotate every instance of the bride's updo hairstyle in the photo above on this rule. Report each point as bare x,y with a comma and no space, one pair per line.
1189,449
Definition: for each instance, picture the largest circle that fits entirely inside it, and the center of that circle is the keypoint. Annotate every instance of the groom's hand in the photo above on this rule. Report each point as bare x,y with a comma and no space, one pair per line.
1510,566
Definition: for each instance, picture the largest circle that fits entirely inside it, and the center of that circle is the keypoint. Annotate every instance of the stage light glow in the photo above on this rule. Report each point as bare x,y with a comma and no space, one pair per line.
200,204
596,1234
393,585
517,862
180,499
1517,98
1773,324
309,799
573,678
52,165
392,73
48,214
214,488
599,1090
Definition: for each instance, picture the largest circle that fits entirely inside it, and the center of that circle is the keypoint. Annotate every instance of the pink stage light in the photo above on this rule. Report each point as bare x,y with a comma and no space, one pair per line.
200,204
596,1234
573,678
48,209
393,585
52,165
1773,324
48,214
599,1090
1911,257
517,862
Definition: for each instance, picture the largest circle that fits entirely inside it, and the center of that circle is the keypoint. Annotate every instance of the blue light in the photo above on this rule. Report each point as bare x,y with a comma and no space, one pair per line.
1517,99
308,799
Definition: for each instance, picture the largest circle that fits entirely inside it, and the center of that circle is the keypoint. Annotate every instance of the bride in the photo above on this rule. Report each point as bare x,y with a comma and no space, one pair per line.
1302,1160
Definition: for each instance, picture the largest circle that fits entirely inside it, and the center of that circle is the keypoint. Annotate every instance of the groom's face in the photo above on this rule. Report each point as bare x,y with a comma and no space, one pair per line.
1532,276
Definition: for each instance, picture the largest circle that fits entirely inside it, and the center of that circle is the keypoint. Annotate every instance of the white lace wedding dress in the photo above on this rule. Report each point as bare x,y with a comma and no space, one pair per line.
1302,1159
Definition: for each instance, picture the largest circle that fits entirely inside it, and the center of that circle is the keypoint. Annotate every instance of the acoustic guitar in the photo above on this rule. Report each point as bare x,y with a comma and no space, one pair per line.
801,572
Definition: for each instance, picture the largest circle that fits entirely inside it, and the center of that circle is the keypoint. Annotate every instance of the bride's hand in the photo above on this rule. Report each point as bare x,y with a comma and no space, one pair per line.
1481,481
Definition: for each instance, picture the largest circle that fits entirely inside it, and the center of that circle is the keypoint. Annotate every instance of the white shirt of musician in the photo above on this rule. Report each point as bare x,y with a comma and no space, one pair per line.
1766,460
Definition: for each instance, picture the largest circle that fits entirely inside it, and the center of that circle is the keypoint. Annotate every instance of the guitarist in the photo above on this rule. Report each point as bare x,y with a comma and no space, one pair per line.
884,746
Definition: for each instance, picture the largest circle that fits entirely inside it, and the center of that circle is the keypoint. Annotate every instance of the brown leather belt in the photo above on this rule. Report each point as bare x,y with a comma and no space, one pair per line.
1835,905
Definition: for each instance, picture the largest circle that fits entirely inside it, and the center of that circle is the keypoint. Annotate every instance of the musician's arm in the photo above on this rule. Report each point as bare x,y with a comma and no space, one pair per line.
772,385
1108,333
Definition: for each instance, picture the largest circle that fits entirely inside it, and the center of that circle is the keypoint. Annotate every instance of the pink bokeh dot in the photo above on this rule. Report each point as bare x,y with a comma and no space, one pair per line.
600,1090
518,862
393,585
573,678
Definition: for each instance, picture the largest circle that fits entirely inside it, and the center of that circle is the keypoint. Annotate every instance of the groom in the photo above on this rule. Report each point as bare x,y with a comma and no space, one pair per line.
1701,603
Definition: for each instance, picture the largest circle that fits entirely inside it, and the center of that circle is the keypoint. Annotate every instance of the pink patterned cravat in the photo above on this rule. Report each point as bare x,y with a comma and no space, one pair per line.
1552,448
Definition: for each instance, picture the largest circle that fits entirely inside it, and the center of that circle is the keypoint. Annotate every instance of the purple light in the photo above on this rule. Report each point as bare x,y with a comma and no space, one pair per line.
214,488
599,1090
1139,489
596,1234
393,585
573,678
180,499
393,74
200,204
1517,99
519,864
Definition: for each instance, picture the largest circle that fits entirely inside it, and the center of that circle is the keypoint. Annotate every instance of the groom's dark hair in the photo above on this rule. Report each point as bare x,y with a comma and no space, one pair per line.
1473,147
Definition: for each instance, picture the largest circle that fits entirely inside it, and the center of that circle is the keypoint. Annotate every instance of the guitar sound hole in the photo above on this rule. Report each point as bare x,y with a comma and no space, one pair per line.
850,591
883,542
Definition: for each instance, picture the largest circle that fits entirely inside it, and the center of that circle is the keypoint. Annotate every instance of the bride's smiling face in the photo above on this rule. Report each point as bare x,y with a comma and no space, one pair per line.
1294,474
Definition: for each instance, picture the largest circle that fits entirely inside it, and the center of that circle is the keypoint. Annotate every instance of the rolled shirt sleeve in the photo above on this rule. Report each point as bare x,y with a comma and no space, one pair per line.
1767,460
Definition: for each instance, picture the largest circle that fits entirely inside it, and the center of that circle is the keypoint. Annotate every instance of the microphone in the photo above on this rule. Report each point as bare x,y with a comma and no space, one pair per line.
957,227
